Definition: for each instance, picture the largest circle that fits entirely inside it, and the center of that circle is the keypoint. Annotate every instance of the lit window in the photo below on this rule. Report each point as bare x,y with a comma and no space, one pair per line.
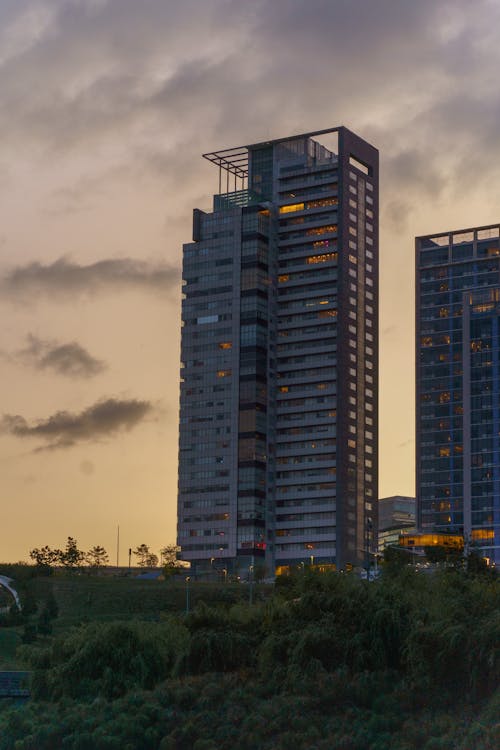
322,230
322,202
225,345
224,373
311,259
292,207
283,278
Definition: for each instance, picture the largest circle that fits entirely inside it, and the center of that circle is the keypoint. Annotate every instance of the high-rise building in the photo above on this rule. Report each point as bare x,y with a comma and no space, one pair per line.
278,417
396,516
458,386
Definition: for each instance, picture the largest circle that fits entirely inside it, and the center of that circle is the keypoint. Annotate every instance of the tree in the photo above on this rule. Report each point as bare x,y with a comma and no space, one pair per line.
151,560
439,553
168,556
72,557
142,552
45,556
97,557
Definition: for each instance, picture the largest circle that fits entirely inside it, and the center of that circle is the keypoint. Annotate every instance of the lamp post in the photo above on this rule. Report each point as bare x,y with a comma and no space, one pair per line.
187,594
250,571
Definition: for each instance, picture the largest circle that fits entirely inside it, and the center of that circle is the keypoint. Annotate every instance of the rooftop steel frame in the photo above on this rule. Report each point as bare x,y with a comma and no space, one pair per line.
235,160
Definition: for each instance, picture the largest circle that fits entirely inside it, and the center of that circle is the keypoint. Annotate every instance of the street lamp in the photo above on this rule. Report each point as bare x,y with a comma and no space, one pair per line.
250,571
187,594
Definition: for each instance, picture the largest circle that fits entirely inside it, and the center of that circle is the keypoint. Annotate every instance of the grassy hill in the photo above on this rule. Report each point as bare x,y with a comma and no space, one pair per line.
89,598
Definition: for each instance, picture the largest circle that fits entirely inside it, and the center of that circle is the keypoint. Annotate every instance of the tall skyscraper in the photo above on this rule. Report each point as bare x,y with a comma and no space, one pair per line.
278,417
458,386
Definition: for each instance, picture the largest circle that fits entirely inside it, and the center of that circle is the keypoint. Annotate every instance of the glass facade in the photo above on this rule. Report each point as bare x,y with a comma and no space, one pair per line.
278,435
457,434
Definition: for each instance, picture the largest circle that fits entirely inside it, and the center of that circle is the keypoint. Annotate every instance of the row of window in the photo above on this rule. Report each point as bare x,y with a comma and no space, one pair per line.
307,548
318,531
311,247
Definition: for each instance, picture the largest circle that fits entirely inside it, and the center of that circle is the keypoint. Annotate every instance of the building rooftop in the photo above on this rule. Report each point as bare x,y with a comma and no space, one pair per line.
235,160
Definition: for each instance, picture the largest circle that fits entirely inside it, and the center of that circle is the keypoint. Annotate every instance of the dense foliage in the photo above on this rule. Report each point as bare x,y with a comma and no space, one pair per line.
408,662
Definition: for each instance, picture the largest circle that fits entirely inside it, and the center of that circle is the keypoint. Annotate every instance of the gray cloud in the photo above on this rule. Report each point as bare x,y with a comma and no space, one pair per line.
64,278
402,73
70,360
64,429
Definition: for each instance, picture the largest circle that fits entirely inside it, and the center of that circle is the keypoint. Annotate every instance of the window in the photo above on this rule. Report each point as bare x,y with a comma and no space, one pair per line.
321,258
322,202
322,230
292,207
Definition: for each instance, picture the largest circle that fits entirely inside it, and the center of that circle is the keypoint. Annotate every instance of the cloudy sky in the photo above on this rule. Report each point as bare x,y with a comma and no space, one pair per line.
105,109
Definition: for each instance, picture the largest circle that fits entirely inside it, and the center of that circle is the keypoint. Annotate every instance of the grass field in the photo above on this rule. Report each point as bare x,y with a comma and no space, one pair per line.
84,598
